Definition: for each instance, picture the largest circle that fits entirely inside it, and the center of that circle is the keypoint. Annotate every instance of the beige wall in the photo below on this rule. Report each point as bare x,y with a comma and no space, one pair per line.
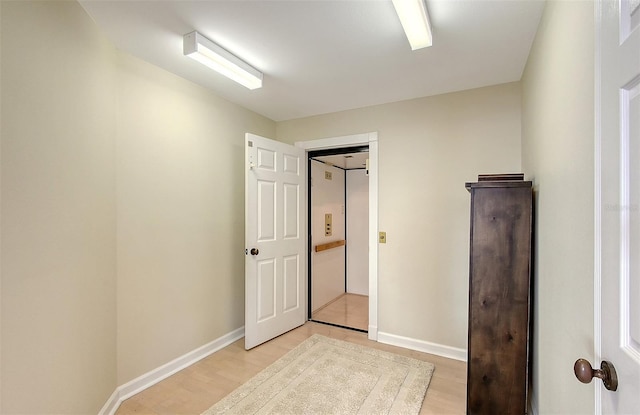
428,148
180,239
58,210
122,213
558,146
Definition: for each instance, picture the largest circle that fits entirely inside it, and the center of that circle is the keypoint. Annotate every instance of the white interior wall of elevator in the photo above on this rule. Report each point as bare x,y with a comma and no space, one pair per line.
357,232
327,267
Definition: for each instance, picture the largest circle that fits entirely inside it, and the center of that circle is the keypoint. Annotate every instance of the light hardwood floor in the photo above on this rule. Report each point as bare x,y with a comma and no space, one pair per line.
196,388
348,310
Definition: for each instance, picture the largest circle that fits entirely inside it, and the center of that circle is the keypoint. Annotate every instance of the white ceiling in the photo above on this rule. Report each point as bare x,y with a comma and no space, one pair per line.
321,56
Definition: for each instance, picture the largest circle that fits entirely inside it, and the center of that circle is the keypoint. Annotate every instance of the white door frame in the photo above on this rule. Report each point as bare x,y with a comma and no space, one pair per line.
371,140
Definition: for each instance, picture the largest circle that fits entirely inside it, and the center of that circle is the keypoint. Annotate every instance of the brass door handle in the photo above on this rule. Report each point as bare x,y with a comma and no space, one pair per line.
584,372
254,251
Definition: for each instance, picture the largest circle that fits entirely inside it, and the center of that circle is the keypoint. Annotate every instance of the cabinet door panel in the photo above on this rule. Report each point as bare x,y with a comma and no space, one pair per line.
499,286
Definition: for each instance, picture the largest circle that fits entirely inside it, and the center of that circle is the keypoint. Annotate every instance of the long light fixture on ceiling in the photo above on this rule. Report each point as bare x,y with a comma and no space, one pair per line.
219,59
415,22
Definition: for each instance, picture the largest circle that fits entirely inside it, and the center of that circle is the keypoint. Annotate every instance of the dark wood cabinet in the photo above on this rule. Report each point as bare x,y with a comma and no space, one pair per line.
499,294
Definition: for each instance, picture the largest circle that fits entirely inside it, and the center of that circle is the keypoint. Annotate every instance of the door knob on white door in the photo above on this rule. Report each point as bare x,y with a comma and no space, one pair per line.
584,372
254,251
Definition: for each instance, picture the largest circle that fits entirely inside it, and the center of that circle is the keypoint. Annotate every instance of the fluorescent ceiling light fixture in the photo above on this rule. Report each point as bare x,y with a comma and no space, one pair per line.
215,57
415,22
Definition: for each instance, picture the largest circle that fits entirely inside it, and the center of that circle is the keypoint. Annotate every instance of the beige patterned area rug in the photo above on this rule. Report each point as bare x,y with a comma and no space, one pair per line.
328,376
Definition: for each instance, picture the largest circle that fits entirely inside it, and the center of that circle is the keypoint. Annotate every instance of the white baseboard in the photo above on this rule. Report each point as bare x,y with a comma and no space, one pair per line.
423,346
156,375
372,333
112,404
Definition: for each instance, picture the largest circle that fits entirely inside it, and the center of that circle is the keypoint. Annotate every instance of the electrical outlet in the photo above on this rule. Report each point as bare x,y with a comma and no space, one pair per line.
328,175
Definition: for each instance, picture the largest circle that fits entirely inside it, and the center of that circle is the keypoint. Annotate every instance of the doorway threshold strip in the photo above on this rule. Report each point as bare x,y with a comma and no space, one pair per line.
339,325
329,376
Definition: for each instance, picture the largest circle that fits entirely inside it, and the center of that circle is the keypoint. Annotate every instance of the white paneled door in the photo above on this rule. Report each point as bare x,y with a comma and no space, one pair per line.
618,114
275,229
